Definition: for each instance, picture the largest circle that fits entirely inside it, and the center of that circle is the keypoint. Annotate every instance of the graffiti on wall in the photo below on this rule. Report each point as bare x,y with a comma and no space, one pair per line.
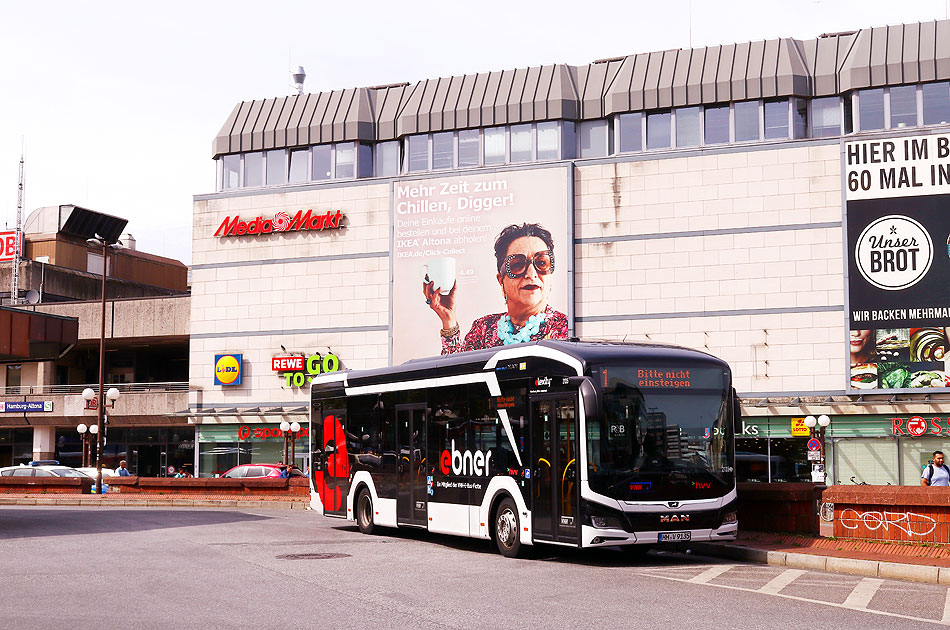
910,523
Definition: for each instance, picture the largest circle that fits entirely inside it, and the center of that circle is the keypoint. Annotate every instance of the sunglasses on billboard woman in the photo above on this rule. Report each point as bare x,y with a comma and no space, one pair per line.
516,265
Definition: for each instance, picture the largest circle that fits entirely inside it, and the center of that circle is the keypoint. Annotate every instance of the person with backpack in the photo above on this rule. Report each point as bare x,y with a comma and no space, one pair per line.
937,473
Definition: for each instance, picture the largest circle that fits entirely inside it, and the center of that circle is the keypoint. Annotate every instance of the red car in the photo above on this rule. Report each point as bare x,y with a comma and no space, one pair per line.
253,471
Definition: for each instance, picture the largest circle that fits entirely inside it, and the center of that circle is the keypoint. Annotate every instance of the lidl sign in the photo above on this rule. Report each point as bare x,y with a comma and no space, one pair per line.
228,369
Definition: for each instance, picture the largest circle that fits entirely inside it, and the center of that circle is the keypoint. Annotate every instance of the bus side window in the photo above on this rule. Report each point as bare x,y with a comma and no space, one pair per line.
487,434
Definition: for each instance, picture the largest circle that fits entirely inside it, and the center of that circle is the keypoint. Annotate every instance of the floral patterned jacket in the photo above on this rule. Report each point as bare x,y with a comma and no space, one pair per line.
484,332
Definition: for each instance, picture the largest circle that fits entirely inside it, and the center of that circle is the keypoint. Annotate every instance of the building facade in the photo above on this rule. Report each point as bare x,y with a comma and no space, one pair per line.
718,198
49,346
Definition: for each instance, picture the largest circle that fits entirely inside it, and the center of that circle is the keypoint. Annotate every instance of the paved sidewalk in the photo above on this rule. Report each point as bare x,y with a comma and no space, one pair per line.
190,499
919,563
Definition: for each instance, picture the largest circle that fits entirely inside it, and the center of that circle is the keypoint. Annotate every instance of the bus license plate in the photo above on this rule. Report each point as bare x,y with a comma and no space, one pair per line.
674,536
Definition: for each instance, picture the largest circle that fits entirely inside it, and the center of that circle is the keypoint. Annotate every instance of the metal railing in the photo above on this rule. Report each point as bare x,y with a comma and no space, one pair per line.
124,388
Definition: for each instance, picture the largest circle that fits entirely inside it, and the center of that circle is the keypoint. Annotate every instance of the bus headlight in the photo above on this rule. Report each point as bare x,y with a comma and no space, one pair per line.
606,522
730,518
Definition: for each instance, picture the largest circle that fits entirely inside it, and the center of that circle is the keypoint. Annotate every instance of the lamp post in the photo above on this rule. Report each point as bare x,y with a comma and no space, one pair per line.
86,433
88,395
290,429
105,244
822,422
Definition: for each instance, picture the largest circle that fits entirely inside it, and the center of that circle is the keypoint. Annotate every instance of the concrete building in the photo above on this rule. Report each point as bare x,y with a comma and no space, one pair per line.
147,322
706,197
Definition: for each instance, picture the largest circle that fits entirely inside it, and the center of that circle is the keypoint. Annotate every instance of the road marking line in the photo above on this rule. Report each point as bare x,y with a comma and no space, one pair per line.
946,609
861,596
780,581
819,602
710,574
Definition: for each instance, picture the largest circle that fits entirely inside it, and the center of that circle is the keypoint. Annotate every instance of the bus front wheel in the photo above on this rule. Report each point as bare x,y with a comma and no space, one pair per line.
364,512
507,529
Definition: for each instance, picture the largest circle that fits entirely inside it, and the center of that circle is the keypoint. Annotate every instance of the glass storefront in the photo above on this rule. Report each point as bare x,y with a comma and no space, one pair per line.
766,451
149,451
221,448
16,446
873,449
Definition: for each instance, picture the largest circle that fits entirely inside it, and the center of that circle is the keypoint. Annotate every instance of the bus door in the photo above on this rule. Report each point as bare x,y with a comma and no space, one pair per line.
554,467
411,497
329,458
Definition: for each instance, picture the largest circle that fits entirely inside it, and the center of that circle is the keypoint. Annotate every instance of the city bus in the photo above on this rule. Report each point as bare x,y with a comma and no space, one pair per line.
575,443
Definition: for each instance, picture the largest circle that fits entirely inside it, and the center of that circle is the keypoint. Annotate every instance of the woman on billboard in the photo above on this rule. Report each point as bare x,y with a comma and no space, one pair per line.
524,257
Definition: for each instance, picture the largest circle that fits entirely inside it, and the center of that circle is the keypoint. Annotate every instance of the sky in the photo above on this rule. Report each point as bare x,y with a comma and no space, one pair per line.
115,104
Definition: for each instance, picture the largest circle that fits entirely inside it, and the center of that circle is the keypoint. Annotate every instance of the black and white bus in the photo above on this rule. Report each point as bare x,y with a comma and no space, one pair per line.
572,443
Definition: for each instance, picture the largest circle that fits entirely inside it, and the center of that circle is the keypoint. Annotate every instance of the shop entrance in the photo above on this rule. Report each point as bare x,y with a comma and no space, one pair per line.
148,460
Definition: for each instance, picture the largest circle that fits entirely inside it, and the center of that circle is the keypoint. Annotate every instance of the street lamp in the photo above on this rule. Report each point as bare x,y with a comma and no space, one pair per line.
86,434
822,423
100,411
290,429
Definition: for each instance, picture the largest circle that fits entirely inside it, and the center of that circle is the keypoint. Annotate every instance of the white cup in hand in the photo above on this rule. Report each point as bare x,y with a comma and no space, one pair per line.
441,272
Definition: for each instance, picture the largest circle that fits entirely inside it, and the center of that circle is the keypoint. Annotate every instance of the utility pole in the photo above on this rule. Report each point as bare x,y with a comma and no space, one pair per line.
15,276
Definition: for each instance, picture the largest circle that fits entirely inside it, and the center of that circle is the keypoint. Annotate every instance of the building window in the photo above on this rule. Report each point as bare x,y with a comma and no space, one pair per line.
417,153
298,166
547,140
253,169
14,376
276,164
903,102
776,119
716,129
469,147
936,101
688,129
364,159
799,118
495,145
630,132
443,150
387,159
747,121
658,130
592,138
231,171
521,143
825,117
345,160
322,160
871,109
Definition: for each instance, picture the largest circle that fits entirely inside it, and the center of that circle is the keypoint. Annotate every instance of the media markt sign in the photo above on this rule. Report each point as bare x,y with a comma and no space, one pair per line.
281,222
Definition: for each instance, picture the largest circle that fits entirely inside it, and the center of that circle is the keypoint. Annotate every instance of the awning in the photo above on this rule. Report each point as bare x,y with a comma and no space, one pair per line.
33,336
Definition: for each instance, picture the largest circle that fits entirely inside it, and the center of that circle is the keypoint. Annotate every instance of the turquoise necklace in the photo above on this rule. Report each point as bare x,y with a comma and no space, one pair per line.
507,334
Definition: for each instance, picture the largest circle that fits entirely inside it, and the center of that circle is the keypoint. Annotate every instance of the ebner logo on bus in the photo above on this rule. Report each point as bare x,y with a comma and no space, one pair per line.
464,462
282,222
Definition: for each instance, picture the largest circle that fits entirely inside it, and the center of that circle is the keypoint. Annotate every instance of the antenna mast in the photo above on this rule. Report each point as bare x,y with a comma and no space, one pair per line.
15,289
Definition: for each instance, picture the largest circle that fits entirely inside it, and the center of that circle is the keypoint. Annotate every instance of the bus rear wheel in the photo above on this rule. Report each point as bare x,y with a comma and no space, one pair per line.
364,512
508,529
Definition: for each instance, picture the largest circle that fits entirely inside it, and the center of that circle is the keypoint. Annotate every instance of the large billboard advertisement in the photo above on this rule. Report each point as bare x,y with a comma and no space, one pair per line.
480,260
898,231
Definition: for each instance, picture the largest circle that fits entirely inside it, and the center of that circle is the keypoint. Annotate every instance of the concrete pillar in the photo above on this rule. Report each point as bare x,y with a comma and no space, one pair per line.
45,373
44,442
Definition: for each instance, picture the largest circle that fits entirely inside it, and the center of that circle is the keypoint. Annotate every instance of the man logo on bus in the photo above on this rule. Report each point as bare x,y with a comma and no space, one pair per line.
464,462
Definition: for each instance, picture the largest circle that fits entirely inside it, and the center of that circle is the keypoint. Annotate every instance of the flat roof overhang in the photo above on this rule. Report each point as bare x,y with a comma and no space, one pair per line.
34,336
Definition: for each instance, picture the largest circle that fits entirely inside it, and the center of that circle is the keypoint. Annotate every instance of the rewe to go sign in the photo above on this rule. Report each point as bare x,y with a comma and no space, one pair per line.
299,371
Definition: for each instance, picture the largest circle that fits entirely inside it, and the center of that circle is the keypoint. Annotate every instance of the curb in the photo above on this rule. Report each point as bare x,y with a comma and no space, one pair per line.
831,564
152,502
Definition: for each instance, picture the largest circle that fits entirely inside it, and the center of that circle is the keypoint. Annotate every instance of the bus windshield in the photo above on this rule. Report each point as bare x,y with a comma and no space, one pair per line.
665,433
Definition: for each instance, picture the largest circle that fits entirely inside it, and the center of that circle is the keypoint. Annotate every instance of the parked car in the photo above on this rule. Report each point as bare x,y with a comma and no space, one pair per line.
40,471
252,471
90,471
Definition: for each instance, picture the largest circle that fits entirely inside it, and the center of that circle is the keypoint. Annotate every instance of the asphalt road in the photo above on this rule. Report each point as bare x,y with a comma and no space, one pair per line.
89,567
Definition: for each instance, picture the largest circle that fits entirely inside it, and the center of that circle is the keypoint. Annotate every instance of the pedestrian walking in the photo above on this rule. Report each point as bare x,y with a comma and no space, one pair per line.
937,473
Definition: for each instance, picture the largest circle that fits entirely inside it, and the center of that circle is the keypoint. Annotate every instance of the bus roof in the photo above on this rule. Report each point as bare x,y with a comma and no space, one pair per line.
573,352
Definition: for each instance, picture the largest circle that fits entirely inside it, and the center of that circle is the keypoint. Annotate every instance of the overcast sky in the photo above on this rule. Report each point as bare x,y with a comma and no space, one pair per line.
117,104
